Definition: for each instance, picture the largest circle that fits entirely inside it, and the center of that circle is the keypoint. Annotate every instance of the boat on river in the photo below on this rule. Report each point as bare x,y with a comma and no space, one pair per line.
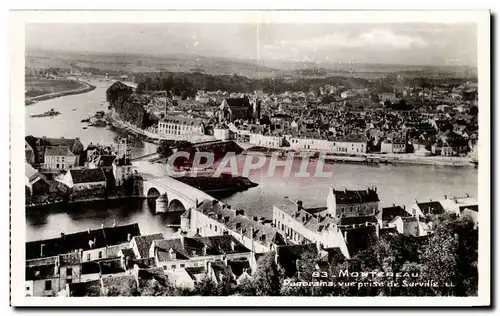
87,120
98,123
48,113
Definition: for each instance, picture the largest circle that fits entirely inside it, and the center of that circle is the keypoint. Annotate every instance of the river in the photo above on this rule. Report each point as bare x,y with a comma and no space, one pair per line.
399,184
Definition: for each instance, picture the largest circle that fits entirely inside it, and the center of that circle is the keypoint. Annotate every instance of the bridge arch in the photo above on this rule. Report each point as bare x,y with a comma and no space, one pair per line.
153,193
176,206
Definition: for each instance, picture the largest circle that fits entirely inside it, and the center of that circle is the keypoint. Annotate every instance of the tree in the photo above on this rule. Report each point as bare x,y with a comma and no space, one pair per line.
268,277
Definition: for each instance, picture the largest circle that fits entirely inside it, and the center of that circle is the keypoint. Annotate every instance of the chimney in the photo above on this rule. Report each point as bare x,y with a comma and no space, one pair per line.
299,205
232,245
204,250
41,249
445,197
255,219
430,199
62,234
413,212
129,237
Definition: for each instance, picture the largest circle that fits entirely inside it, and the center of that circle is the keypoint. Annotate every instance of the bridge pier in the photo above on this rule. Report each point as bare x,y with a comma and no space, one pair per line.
161,205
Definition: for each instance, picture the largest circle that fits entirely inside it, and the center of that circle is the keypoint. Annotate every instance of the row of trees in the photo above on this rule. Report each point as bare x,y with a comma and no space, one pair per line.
443,264
187,84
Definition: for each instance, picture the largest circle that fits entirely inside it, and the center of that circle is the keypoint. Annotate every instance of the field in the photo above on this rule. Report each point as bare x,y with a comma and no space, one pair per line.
41,86
122,64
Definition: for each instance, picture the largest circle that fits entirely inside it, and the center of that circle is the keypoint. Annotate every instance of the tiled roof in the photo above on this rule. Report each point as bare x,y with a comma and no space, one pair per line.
75,241
194,247
240,223
29,171
181,120
388,213
84,175
58,151
144,243
431,208
355,196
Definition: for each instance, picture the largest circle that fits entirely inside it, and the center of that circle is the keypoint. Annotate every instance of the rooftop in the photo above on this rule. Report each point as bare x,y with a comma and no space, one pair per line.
355,196
84,175
67,243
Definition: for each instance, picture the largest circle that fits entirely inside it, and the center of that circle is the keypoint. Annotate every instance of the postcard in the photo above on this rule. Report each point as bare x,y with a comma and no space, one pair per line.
207,158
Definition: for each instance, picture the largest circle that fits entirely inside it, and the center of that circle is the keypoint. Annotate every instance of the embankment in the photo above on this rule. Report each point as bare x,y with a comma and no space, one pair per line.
86,87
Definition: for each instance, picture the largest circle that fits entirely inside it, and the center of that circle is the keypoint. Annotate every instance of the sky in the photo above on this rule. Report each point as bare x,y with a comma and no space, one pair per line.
408,43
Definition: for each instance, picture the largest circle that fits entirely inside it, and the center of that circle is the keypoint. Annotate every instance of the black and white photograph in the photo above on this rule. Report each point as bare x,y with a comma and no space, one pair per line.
321,156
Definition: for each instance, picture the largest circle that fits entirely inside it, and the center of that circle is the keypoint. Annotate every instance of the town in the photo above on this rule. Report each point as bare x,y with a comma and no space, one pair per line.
217,245
224,246
425,122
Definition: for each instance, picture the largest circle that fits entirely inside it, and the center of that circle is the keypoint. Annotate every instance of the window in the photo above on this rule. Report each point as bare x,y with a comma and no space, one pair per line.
48,285
215,228
210,226
69,272
27,288
100,254
173,266
182,265
88,257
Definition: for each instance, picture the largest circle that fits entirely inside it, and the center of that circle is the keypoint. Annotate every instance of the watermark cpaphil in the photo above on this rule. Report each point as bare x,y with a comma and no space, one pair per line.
309,165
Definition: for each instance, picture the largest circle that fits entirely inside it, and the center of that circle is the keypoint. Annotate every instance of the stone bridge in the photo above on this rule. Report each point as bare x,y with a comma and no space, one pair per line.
170,194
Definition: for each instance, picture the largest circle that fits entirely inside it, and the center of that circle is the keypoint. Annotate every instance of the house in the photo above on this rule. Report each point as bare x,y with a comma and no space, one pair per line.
35,183
212,218
58,158
308,225
180,126
409,226
29,153
179,253
450,146
42,277
104,162
91,244
387,214
394,144
422,209
80,179
342,203
457,205
74,145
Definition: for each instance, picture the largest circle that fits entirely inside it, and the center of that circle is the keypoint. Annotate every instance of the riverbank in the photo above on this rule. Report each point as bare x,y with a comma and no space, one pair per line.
371,159
86,87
